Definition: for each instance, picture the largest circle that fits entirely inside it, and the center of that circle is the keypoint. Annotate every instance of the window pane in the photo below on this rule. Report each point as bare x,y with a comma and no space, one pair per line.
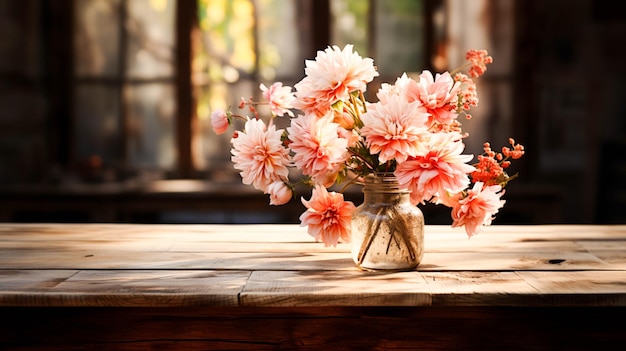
396,43
230,64
96,124
151,37
96,37
399,37
280,57
20,44
227,50
151,126
24,149
349,24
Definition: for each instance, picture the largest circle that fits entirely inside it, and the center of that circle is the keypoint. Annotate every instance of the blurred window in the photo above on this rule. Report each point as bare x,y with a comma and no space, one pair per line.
247,42
124,93
242,43
126,58
390,31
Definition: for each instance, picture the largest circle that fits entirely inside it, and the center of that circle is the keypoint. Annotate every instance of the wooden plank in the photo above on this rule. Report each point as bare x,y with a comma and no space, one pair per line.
39,255
511,261
568,282
293,260
32,280
111,259
148,263
476,282
616,258
333,288
122,288
313,288
489,289
598,288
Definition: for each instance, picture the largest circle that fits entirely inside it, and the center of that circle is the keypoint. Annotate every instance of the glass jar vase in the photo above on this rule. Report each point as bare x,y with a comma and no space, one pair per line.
387,230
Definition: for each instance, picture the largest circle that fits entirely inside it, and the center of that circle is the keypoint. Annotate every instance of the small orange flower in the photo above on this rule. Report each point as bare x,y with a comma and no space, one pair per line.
479,60
516,152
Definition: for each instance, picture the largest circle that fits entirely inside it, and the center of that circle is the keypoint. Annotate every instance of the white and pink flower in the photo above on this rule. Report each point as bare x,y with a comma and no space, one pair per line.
319,151
404,86
259,154
395,130
439,96
331,77
279,97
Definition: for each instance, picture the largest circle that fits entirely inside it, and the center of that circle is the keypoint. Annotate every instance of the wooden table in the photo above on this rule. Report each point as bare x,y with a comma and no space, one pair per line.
267,287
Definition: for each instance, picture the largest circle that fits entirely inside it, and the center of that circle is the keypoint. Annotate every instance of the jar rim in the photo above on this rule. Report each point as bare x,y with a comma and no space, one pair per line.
384,182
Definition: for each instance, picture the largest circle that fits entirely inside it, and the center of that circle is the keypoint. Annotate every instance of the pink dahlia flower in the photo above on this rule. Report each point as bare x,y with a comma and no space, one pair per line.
404,86
440,169
394,130
439,96
318,149
328,216
309,100
478,208
332,76
280,98
259,154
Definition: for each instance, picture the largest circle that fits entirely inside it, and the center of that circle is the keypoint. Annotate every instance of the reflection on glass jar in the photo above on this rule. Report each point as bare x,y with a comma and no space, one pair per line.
387,230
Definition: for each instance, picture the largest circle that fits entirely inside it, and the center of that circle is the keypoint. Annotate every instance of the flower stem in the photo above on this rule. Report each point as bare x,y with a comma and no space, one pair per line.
400,227
365,246
460,68
399,233
365,161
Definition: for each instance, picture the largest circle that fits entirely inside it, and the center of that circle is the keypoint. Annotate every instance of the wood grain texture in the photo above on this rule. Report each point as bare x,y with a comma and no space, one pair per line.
281,265
271,287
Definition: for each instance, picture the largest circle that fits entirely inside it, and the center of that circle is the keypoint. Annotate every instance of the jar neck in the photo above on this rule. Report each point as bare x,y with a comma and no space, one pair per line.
383,188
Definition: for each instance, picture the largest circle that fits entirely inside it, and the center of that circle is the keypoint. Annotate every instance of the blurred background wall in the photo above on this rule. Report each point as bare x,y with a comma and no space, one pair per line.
105,104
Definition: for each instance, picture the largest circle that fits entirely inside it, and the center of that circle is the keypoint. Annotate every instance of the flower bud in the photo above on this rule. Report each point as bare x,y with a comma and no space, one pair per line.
219,121
344,119
279,193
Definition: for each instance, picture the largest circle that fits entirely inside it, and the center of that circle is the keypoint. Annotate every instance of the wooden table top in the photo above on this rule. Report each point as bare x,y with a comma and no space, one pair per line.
122,265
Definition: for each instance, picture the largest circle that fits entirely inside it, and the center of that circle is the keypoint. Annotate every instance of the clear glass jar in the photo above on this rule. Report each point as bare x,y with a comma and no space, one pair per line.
387,230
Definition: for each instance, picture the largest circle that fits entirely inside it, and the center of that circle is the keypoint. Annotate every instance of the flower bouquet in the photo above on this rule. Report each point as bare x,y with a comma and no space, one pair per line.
337,138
